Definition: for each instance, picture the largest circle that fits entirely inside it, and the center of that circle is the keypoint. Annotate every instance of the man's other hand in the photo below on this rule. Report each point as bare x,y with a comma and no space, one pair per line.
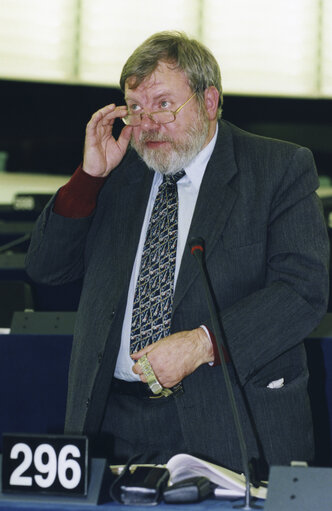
176,356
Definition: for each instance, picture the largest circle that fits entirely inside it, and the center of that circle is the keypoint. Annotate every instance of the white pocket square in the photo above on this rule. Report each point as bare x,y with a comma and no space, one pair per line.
276,384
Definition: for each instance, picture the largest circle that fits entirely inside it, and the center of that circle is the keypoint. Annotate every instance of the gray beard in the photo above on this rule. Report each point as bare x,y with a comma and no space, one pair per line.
181,154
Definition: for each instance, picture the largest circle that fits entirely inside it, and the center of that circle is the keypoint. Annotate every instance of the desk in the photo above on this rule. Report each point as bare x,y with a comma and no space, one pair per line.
37,503
13,183
201,506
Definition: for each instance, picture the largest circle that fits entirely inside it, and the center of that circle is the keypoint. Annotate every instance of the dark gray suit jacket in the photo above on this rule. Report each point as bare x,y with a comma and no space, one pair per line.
266,253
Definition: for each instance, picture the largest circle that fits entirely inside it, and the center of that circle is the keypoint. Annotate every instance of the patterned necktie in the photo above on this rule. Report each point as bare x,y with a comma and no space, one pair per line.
153,298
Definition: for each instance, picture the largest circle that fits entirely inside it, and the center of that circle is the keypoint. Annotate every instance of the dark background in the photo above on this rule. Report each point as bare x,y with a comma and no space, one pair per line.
42,125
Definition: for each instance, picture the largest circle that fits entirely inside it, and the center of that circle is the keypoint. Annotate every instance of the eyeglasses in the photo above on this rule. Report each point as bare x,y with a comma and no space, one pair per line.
161,117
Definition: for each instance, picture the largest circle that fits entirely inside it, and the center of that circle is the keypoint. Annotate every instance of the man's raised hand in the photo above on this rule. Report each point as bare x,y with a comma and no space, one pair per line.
102,152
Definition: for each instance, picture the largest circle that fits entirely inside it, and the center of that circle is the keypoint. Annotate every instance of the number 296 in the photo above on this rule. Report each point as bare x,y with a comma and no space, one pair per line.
48,466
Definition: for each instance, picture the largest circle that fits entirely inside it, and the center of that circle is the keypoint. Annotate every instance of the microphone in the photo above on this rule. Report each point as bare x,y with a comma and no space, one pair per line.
197,250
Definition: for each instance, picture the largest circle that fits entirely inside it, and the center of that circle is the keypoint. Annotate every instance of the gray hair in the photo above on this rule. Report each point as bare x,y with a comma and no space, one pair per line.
188,55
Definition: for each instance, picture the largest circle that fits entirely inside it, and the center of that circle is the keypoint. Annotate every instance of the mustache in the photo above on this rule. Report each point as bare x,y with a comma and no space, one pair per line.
154,137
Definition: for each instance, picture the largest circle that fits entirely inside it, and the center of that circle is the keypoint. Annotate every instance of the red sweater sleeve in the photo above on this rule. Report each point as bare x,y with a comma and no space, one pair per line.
78,198
217,360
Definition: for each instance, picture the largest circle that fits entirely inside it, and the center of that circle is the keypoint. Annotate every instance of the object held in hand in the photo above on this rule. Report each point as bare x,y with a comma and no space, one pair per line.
152,381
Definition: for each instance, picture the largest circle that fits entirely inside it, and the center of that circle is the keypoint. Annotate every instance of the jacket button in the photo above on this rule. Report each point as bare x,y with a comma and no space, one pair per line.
100,357
87,402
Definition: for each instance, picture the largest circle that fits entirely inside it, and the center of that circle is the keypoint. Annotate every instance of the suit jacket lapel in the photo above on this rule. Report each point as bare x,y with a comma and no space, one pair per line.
128,207
214,204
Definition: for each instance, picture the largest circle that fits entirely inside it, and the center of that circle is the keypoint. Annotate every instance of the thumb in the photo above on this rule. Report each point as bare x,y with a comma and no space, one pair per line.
139,354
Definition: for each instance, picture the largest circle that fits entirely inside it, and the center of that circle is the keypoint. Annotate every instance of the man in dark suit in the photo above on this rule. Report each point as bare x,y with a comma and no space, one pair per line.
253,200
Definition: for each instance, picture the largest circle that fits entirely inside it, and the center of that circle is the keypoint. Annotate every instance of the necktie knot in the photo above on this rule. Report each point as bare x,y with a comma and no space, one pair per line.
172,179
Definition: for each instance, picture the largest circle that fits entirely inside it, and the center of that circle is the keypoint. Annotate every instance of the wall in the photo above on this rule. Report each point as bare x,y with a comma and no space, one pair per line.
42,125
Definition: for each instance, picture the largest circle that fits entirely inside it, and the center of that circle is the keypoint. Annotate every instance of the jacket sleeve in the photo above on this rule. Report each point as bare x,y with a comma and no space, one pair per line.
265,324
56,250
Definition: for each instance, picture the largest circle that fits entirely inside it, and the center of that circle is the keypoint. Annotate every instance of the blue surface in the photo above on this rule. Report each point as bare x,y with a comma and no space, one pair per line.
319,353
33,383
201,506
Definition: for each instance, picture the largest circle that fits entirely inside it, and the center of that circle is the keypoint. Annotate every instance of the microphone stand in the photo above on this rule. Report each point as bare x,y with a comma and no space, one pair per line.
197,249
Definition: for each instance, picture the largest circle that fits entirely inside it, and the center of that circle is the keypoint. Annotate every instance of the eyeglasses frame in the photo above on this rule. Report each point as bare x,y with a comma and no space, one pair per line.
149,115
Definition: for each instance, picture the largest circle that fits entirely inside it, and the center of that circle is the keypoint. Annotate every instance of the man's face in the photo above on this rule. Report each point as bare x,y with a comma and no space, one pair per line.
167,148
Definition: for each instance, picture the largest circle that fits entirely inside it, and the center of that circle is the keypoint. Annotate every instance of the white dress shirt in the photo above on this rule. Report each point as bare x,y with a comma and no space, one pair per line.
188,188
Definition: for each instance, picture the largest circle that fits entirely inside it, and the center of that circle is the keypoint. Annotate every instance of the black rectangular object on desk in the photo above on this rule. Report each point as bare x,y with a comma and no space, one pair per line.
143,486
193,489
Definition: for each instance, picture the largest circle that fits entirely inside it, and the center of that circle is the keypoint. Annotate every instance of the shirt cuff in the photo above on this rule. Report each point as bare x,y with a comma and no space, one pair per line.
213,340
78,197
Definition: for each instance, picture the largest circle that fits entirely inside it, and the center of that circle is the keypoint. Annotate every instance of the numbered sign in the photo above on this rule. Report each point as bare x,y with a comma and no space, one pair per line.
53,464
